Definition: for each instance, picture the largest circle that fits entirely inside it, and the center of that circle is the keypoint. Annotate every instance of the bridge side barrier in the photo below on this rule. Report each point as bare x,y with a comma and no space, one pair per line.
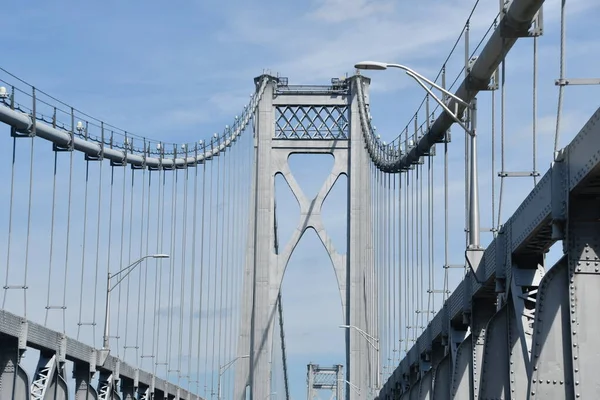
18,331
539,221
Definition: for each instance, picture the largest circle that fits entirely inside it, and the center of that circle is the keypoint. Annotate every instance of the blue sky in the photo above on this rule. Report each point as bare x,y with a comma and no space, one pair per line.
180,73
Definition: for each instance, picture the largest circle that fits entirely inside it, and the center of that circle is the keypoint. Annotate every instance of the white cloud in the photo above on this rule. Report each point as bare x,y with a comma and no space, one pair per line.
336,11
198,74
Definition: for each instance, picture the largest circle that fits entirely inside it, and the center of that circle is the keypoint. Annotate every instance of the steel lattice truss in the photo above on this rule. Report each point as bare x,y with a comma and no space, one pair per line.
325,379
311,122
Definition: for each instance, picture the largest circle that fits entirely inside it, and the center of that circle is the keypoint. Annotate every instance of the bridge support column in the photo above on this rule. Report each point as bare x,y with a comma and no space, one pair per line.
260,286
83,374
362,358
127,389
14,383
265,265
566,349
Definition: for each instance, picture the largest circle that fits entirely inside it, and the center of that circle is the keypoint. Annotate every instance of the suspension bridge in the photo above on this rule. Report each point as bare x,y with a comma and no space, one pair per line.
154,270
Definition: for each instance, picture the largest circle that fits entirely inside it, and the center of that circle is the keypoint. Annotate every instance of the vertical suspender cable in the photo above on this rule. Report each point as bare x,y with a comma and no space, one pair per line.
126,346
85,201
230,261
384,267
231,257
121,252
374,295
193,274
201,285
10,219
143,274
232,167
223,265
208,275
502,120
432,240
376,250
146,251
184,238
493,150
30,195
388,268
400,256
394,266
408,268
216,272
68,237
48,307
561,87
467,141
421,291
173,234
97,267
535,107
414,244
110,214
446,237
158,285
430,273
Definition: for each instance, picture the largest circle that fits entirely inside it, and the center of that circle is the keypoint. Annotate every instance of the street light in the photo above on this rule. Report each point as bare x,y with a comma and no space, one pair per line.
352,386
222,370
131,267
370,339
473,181
380,66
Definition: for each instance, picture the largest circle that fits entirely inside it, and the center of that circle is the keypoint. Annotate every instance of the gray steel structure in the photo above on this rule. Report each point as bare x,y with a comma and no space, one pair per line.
50,379
325,378
512,329
515,23
307,119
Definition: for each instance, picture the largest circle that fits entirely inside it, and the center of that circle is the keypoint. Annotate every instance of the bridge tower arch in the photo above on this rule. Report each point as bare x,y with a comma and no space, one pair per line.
312,120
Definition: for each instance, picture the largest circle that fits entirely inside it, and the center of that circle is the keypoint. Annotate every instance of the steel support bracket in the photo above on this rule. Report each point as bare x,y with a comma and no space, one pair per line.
152,387
145,152
136,378
23,332
123,161
577,81
473,259
62,348
117,371
588,267
560,196
524,291
502,259
480,85
447,137
100,155
467,299
101,356
512,29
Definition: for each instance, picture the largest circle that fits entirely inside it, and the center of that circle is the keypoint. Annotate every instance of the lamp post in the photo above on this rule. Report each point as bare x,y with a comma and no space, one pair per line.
352,386
380,66
473,182
372,342
128,269
222,370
